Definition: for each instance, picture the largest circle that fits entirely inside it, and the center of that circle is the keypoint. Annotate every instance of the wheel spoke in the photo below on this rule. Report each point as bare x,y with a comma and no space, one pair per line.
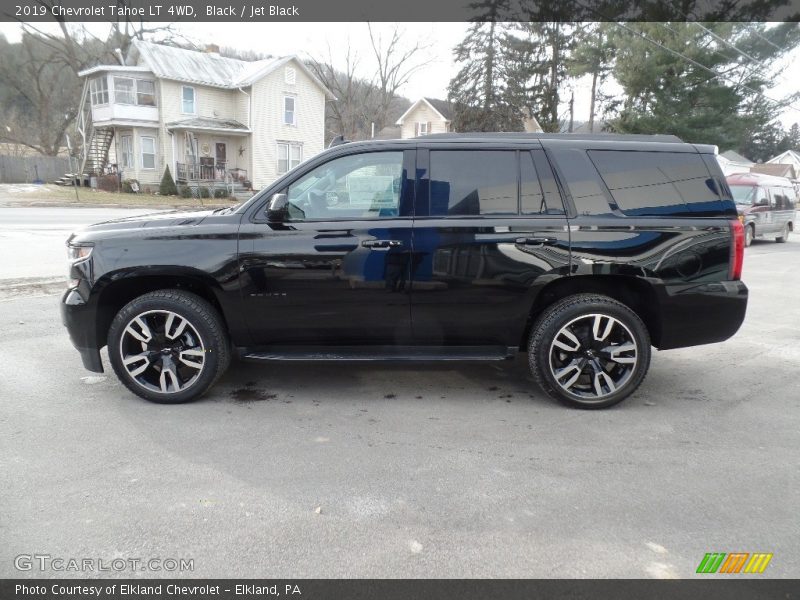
597,326
602,378
570,374
143,334
186,358
613,353
169,378
136,363
567,341
178,328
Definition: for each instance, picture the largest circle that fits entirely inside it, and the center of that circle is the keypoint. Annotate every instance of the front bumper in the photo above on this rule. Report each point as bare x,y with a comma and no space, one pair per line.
79,319
697,314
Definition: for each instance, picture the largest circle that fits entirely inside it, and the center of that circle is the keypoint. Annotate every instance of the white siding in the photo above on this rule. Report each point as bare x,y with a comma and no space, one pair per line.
422,114
268,126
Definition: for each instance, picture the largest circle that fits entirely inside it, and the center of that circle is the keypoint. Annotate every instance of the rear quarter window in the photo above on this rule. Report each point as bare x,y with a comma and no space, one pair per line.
646,183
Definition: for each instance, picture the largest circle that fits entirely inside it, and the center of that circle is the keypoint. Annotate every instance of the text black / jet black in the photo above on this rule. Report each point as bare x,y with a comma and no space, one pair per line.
583,251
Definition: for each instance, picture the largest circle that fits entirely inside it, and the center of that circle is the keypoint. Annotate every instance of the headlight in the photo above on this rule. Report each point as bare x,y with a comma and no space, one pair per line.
76,252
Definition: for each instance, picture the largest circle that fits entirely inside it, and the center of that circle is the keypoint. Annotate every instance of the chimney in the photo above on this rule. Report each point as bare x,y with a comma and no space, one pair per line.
212,49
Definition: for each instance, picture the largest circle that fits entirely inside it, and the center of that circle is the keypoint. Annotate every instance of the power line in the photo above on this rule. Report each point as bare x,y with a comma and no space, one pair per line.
716,74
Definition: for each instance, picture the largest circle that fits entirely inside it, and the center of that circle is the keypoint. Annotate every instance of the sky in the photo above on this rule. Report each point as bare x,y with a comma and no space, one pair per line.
315,40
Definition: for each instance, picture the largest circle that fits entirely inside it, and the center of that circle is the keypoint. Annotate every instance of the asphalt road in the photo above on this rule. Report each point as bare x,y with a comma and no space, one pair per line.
418,471
32,239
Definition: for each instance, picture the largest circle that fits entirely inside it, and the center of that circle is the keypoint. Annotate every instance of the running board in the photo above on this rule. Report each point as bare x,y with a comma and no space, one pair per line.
384,353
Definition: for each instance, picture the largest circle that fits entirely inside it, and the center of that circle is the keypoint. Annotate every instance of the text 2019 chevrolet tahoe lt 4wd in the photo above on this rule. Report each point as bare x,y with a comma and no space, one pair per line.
584,251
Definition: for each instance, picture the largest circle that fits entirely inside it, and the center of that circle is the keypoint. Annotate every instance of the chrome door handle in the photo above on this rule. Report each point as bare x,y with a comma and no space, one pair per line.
536,241
378,244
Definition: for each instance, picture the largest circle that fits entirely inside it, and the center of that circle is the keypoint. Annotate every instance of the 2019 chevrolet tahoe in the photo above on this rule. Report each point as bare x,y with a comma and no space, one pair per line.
583,251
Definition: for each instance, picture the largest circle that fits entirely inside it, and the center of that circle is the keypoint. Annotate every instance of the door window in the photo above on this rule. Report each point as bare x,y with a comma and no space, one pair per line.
473,182
359,186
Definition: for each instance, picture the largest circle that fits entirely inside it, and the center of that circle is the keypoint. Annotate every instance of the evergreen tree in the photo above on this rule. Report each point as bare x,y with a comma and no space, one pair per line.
479,91
168,187
706,83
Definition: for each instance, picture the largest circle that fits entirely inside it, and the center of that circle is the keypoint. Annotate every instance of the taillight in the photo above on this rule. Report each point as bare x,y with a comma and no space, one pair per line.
737,251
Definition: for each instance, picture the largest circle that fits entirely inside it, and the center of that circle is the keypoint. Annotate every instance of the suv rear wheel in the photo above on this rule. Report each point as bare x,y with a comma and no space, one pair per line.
168,346
589,351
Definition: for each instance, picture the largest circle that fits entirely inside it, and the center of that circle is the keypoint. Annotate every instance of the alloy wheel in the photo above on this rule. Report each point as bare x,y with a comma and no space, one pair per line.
593,356
162,351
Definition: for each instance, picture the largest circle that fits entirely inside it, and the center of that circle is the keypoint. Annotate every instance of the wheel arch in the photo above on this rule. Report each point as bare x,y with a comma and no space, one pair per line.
116,290
633,292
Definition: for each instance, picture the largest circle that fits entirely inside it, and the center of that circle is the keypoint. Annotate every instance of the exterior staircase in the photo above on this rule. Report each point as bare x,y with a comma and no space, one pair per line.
94,145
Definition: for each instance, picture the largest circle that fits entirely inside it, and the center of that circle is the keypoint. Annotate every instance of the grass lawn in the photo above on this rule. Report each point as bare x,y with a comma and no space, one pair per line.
54,195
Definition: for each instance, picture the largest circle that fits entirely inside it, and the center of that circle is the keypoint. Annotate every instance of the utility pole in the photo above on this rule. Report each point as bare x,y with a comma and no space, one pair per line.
571,110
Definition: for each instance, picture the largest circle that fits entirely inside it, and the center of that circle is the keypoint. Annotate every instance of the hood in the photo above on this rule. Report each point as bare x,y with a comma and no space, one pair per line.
177,218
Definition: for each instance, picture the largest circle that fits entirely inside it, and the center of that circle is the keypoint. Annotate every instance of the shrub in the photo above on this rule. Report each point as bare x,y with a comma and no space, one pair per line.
220,193
167,187
204,192
131,186
185,191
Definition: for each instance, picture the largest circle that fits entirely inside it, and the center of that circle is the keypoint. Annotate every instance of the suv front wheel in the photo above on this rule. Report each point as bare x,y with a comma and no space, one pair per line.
589,351
168,346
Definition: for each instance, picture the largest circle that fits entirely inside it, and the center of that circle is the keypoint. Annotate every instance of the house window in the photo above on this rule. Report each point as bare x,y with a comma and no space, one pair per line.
290,154
124,90
148,145
145,92
290,76
289,113
98,88
423,128
188,105
127,151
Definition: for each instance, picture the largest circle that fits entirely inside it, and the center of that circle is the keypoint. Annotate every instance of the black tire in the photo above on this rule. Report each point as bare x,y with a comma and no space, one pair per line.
749,234
785,236
203,336
575,314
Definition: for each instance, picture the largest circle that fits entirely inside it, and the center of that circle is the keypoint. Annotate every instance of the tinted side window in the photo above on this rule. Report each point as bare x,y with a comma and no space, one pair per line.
473,182
657,183
782,198
582,181
530,190
552,197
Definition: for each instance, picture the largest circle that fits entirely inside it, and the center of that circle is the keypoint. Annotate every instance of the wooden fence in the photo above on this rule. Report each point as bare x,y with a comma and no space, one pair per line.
27,169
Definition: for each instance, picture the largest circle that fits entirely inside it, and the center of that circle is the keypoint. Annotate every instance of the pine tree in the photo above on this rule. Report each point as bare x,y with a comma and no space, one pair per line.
168,187
478,92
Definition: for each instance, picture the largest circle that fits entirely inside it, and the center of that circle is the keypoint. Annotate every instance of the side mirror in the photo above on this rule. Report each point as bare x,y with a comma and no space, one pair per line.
277,208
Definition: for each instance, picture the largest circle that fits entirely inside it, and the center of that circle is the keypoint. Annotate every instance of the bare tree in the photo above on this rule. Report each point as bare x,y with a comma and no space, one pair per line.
395,66
39,85
367,92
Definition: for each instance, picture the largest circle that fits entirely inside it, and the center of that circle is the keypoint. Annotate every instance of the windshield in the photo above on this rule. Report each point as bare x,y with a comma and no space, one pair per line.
743,194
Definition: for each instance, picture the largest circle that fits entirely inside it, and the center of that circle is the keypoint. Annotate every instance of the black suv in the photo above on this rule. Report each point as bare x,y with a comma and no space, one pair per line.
581,250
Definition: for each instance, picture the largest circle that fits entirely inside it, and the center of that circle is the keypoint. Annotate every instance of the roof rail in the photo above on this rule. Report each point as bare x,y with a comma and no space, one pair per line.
554,136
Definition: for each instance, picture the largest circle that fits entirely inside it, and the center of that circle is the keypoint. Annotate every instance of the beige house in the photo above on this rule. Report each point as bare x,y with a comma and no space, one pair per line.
207,117
425,116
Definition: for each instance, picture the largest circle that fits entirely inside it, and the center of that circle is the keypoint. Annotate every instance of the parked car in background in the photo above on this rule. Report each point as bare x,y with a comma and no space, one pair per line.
583,251
767,205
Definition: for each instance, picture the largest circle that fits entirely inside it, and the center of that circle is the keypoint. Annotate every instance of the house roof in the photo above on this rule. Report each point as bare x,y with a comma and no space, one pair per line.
785,157
776,170
208,124
735,157
204,68
442,107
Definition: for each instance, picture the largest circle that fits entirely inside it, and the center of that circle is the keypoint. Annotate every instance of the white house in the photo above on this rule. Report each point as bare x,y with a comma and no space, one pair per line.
425,116
790,157
205,116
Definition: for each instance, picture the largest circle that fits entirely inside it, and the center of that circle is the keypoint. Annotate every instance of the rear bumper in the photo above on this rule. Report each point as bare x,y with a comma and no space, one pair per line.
79,319
695,314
